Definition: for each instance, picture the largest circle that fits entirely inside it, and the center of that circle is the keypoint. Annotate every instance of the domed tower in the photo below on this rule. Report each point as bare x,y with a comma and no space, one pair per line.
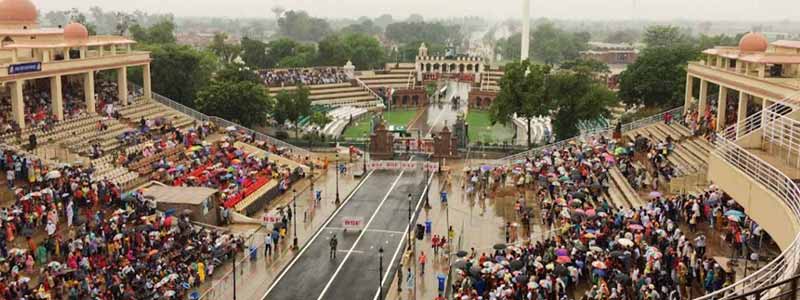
76,33
753,42
423,51
18,14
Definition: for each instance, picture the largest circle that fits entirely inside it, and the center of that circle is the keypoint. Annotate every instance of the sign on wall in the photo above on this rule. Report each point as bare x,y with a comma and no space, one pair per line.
24,68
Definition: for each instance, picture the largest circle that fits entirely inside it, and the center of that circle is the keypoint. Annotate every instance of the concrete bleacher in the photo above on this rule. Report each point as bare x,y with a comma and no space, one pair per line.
398,78
539,126
340,118
335,95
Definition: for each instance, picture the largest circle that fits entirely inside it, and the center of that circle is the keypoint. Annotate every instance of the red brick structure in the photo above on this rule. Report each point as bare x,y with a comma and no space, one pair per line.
444,144
409,98
381,144
481,99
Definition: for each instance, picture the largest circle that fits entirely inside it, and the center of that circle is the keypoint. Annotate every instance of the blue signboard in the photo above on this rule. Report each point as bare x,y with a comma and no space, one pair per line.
25,68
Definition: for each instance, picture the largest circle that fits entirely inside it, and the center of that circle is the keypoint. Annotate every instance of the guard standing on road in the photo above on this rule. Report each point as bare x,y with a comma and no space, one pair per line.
333,243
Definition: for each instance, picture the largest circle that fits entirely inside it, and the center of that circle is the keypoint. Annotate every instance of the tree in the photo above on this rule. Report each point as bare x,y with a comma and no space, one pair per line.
291,106
590,67
162,32
384,20
289,53
228,99
254,53
522,93
665,36
236,72
657,78
415,18
300,26
178,72
578,98
278,11
364,51
320,119
366,27
226,52
552,45
627,36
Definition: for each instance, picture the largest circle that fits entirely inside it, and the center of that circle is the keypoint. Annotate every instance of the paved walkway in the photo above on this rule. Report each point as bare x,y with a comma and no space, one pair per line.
255,276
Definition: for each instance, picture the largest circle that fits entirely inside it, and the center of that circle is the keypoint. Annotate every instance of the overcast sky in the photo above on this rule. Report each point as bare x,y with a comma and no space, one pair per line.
564,9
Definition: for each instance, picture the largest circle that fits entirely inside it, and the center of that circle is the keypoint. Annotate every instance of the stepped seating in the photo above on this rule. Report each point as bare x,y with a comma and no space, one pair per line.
627,191
339,94
616,198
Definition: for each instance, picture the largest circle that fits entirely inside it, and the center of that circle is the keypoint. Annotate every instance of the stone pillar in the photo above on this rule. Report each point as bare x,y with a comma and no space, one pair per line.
722,105
122,85
18,103
113,49
701,105
88,89
762,70
57,96
687,100
526,29
738,66
146,85
66,54
741,112
84,52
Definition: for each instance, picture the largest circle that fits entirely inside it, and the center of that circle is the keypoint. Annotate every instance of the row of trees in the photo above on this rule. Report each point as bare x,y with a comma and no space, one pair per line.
658,77
549,44
529,90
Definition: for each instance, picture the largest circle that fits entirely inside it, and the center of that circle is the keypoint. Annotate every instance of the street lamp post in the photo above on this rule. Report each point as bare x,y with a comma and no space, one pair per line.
337,179
380,273
364,171
294,204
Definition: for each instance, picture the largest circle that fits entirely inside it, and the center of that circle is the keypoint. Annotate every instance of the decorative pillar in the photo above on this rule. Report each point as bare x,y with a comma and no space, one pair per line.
88,89
84,52
701,105
66,54
57,96
526,29
146,85
122,85
762,70
18,103
741,113
722,105
687,100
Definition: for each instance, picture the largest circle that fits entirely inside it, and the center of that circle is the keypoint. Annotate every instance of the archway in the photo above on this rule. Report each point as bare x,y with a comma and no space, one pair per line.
469,68
436,67
415,100
452,67
461,68
427,67
405,100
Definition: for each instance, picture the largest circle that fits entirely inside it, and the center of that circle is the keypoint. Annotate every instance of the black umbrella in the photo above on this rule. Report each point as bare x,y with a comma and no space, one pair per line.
622,278
499,246
461,253
579,195
475,271
560,270
460,264
516,265
616,253
521,278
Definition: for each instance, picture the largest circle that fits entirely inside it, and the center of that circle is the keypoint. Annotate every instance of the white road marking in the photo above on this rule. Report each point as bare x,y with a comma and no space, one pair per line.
405,233
294,260
370,230
360,235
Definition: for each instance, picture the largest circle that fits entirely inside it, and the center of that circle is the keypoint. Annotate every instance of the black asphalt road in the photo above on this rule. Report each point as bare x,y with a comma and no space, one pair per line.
314,271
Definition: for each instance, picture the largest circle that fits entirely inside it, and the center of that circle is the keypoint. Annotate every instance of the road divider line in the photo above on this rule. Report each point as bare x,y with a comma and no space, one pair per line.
360,235
313,238
405,234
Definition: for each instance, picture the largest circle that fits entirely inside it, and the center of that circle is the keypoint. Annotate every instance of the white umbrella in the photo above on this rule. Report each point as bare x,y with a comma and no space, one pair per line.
53,174
230,128
625,242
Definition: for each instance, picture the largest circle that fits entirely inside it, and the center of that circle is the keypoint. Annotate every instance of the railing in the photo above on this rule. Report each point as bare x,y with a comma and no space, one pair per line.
659,117
366,88
789,288
785,265
783,133
225,123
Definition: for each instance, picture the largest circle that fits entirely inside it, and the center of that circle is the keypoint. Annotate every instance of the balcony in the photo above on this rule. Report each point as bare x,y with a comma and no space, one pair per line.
786,89
74,66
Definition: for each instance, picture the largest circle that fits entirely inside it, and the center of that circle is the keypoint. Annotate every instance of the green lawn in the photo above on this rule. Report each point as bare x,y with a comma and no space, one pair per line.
360,127
481,129
399,117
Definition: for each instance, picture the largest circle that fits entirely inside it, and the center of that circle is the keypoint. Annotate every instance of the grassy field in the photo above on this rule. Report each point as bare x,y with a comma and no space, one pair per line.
360,128
481,129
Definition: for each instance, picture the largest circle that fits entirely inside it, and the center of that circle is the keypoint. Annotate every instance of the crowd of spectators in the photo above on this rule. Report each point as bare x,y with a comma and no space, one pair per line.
38,103
607,251
310,76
